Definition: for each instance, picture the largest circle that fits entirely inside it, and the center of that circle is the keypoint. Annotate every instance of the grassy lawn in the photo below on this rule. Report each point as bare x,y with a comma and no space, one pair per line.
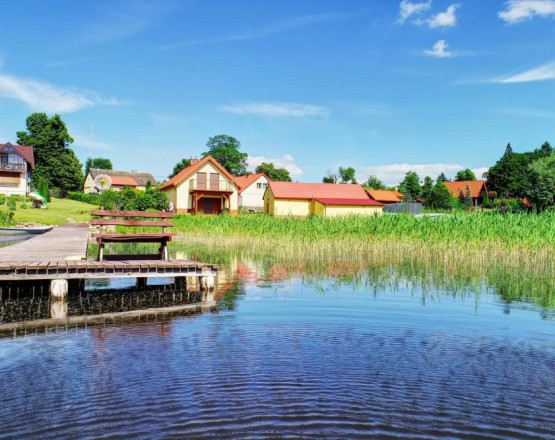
59,211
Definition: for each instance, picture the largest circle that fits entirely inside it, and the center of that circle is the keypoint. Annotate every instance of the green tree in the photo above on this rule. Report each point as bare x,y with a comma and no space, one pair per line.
465,175
331,177
273,173
410,186
225,149
55,162
374,183
442,178
99,163
180,166
541,188
427,188
440,197
347,175
42,189
509,176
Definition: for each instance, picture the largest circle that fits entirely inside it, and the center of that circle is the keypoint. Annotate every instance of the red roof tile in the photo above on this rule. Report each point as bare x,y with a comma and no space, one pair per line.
123,181
476,187
307,191
24,151
243,182
186,172
349,202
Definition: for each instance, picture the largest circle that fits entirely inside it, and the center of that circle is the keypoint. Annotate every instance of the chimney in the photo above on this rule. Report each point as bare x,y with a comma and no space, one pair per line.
193,160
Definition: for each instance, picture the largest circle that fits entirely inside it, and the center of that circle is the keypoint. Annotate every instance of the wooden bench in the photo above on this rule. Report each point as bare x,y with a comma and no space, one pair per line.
106,218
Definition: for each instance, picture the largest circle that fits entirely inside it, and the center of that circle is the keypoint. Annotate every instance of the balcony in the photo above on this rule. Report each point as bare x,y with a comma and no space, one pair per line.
16,167
210,185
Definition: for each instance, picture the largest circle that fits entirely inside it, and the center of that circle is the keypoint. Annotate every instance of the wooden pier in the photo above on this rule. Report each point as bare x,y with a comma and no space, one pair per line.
61,255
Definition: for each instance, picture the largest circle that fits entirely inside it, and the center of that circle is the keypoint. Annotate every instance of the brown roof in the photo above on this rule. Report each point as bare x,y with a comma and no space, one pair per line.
186,172
243,182
140,178
476,187
384,196
24,151
307,191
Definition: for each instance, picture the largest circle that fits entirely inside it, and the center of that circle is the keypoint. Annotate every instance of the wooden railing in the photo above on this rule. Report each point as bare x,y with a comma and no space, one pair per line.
17,167
210,185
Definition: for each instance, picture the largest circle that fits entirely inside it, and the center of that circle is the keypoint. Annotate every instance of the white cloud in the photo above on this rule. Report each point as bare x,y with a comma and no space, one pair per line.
287,161
439,50
270,29
277,109
478,172
42,96
520,10
393,174
541,73
408,8
441,19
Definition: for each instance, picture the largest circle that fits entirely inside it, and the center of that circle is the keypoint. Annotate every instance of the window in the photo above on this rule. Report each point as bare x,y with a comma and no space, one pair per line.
261,185
9,179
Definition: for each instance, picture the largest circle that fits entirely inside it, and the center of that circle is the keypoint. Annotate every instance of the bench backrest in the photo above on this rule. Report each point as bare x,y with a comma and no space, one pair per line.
103,221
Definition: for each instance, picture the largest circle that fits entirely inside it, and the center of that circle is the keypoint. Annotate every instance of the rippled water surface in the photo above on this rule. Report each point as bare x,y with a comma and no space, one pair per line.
294,357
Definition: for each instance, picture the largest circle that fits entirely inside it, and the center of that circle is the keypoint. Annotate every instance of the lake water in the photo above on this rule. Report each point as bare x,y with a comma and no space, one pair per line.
355,352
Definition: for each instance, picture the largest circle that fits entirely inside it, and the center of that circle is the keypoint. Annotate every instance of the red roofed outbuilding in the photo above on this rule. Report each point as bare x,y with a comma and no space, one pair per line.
327,199
251,191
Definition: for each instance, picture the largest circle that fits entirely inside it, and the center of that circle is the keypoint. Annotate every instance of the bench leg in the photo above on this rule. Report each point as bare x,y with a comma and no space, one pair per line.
100,251
164,251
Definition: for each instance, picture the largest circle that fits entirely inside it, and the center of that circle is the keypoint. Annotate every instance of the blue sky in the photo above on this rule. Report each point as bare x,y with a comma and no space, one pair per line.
383,86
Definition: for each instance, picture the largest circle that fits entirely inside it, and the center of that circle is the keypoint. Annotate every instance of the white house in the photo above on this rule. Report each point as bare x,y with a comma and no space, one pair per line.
118,180
17,162
251,191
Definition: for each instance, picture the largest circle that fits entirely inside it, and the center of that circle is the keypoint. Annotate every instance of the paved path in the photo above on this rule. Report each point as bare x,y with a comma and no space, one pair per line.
65,242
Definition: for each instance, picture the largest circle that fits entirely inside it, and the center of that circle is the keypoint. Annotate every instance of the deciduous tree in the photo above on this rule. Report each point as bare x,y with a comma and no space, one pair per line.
273,173
98,162
55,162
179,166
347,175
374,183
225,149
541,189
463,175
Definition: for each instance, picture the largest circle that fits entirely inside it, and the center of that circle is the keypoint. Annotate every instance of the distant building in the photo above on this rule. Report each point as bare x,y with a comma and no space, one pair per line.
477,189
251,191
203,187
119,180
385,197
326,199
16,165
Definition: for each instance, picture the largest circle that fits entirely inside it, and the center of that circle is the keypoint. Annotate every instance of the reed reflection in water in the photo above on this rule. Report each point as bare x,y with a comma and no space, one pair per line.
313,348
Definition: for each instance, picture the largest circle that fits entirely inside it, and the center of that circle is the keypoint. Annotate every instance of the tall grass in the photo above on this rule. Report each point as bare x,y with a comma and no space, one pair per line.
477,230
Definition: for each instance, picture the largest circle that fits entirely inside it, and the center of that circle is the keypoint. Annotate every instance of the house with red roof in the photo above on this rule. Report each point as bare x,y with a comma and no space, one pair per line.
251,191
116,180
203,187
327,199
17,162
477,189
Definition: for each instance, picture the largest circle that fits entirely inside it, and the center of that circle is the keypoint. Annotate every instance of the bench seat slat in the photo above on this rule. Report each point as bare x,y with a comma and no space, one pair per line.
103,212
121,222
135,238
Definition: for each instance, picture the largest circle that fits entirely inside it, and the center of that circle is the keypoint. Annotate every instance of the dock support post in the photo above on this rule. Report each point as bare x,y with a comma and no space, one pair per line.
141,283
181,283
58,290
206,280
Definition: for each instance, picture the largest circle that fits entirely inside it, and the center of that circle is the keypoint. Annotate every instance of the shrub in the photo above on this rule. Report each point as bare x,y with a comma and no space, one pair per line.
2,199
11,204
6,218
129,199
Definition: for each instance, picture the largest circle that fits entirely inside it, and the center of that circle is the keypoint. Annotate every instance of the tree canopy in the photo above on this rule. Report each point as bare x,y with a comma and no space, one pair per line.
98,162
541,188
347,175
463,175
273,173
225,149
440,197
180,166
427,188
374,183
442,178
410,186
55,162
